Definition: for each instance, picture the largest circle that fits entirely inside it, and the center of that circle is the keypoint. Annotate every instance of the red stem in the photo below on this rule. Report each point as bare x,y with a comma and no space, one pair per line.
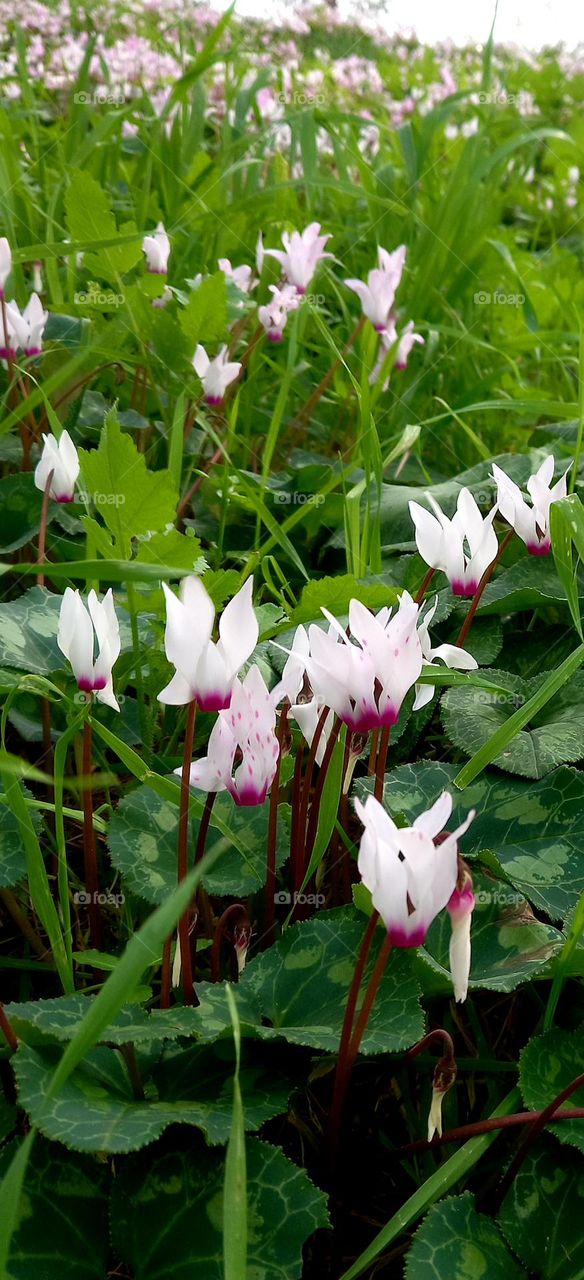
381,762
486,578
341,1080
182,864
295,820
233,912
270,904
465,1131
316,799
6,1030
539,1122
425,583
306,787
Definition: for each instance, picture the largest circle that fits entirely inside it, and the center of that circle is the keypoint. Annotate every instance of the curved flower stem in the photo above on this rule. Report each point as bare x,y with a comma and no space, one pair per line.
183,844
465,1131
539,1121
270,903
236,911
6,1030
425,583
438,1033
89,851
370,994
486,578
43,529
341,1077
381,762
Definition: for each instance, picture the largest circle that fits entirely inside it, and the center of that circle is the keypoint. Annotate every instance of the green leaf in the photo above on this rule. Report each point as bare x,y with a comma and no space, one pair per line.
179,550
302,982
143,836
39,1022
90,219
554,736
396,522
96,1110
541,1214
530,833
186,1187
530,583
28,630
547,1064
455,1240
132,500
12,855
204,319
500,739
235,1225
20,511
62,1225
336,593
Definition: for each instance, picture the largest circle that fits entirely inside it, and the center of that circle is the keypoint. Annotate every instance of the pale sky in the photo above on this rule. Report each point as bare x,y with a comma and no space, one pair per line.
531,23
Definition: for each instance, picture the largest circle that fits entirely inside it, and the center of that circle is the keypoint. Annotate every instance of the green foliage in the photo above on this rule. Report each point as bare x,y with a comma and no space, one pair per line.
456,1240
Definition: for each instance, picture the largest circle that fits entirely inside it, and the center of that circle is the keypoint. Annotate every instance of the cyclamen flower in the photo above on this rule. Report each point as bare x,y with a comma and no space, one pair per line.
36,318
410,876
59,456
305,707
377,296
242,276
452,655
157,250
301,255
205,669
366,678
247,728
5,263
216,375
274,315
79,628
23,330
460,907
463,547
531,523
403,344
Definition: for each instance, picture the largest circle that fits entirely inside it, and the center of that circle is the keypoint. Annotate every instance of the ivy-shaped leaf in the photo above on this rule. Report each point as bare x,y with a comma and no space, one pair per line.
96,1109
62,1223
530,583
132,500
12,855
548,1063
20,511
89,217
541,1213
454,1240
186,1188
143,837
204,319
527,833
41,1022
555,736
336,593
302,982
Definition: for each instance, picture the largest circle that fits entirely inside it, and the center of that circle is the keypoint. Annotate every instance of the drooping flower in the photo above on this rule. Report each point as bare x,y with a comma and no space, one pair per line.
410,875
216,375
377,296
157,250
35,317
274,315
24,329
301,255
366,678
5,263
463,547
403,345
59,456
80,626
205,669
242,276
246,729
305,707
460,908
531,523
452,655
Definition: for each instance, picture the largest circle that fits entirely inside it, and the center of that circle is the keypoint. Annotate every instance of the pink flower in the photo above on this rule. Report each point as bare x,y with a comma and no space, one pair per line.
301,255
247,729
377,296
274,315
463,548
531,523
216,375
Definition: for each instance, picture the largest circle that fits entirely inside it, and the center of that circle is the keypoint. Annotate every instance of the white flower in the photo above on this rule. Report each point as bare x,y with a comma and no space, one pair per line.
435,1116
59,456
305,707
206,669
242,276
157,250
248,726
411,878
36,318
24,330
216,375
5,262
301,255
403,346
452,655
463,547
377,296
531,523
274,315
79,628
460,908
